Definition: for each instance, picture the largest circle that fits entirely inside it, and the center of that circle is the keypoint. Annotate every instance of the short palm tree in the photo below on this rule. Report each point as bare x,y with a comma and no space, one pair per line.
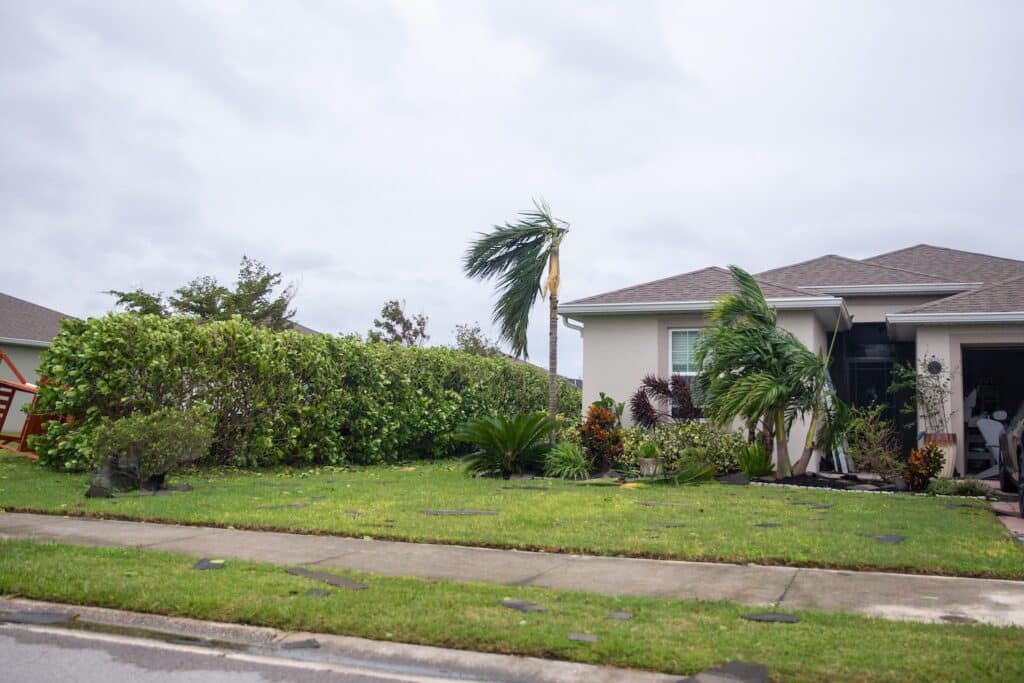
754,370
517,254
506,445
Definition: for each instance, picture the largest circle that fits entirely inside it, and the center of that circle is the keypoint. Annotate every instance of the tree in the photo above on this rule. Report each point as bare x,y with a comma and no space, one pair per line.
752,369
517,254
205,299
394,327
471,339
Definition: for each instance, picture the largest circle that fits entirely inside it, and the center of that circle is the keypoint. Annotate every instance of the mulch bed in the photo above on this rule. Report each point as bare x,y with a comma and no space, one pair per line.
841,482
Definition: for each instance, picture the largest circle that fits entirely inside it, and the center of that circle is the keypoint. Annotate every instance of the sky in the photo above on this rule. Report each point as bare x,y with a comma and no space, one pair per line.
357,147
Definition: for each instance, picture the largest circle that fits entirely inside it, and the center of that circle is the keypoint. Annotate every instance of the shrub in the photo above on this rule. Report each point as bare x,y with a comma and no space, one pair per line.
139,451
719,447
568,431
873,443
566,461
922,466
601,437
754,460
659,400
276,397
958,487
506,445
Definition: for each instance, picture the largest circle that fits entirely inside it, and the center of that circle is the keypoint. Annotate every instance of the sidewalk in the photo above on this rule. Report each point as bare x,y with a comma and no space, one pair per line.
893,596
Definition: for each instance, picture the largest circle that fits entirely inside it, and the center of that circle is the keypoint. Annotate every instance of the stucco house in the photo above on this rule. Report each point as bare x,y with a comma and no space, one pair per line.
25,330
962,308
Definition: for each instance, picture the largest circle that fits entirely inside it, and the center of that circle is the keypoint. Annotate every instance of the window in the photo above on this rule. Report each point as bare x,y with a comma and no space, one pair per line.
681,352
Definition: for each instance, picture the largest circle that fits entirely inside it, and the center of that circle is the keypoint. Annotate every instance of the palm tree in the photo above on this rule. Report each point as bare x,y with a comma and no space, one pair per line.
517,254
752,369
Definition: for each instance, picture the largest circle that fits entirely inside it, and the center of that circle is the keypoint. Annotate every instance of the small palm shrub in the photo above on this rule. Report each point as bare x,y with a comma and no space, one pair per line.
506,445
754,460
601,437
958,487
922,466
140,450
566,461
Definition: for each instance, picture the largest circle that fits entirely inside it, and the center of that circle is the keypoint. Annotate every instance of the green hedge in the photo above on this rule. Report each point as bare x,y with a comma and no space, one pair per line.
277,397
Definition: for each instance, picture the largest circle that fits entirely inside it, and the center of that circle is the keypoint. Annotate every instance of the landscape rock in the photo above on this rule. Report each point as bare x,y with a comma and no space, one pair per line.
771,617
522,605
332,579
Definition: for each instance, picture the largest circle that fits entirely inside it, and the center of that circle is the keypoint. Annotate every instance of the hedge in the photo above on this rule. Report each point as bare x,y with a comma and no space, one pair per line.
276,397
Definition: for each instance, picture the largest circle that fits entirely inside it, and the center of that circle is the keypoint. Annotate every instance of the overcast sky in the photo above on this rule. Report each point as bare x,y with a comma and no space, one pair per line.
357,147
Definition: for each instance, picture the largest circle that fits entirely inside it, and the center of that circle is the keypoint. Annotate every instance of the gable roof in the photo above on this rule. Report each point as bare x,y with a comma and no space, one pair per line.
702,285
1001,297
25,321
835,270
951,265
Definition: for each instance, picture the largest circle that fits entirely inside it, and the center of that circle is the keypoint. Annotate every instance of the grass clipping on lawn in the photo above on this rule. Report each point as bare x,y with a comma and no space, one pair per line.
675,636
709,522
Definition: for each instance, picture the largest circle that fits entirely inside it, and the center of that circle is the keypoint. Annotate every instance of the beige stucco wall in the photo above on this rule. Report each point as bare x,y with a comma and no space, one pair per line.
27,359
619,350
873,309
946,343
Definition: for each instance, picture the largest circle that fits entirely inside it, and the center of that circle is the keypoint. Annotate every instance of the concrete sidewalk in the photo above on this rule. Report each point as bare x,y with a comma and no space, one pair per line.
894,596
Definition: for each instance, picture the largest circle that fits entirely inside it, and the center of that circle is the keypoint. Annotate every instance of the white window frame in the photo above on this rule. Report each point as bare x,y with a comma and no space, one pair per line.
671,331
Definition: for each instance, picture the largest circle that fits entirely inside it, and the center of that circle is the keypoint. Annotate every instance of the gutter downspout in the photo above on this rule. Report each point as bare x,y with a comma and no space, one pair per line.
572,325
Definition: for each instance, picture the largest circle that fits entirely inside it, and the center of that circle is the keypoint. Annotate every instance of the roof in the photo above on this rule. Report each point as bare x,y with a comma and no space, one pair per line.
951,265
706,284
26,321
839,270
1001,297
302,329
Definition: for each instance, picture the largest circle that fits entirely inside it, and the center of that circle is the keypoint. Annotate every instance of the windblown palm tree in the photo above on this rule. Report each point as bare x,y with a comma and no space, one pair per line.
517,254
754,370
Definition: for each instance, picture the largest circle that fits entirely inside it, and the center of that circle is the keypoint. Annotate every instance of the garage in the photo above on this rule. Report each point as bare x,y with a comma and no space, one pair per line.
993,386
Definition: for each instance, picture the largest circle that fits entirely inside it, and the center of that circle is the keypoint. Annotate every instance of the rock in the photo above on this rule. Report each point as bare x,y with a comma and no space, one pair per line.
771,617
206,563
734,672
583,637
97,491
458,513
317,593
889,539
522,605
621,615
332,579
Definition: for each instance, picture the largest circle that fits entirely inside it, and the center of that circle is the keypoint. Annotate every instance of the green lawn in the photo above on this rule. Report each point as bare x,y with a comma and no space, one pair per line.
664,635
708,522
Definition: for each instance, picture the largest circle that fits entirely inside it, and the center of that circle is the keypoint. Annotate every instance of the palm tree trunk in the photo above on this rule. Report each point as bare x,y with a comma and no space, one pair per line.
553,363
782,466
812,432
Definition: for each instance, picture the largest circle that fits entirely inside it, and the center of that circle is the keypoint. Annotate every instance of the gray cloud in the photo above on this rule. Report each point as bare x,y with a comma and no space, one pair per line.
358,146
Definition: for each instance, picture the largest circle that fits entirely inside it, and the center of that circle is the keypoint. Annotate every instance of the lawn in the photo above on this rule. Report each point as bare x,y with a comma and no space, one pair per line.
665,635
710,522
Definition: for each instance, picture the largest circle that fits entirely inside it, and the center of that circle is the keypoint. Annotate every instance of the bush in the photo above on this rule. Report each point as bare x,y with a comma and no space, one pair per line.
566,461
872,443
139,451
754,460
568,431
718,447
922,466
958,487
276,397
601,437
506,445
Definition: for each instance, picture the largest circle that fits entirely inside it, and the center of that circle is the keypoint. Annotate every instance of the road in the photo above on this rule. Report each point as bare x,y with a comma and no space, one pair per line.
41,655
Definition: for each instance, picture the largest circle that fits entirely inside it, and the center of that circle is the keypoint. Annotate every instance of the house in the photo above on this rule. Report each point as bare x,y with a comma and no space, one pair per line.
25,330
923,304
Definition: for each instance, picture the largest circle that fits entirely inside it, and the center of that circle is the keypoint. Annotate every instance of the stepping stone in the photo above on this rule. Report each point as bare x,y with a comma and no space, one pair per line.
317,593
353,513
307,644
583,637
382,525
820,506
771,617
620,615
958,619
660,504
458,513
671,525
38,617
768,525
206,563
525,488
888,539
522,605
283,507
332,579
734,672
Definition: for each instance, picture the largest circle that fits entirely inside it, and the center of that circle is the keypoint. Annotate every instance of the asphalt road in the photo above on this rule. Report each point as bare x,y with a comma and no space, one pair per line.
33,655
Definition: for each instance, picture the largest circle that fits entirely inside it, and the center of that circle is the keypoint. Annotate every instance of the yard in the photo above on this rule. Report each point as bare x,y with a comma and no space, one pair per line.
663,635
439,503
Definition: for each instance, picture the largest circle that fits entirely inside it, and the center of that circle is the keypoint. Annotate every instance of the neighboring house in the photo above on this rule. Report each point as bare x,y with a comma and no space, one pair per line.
962,308
25,330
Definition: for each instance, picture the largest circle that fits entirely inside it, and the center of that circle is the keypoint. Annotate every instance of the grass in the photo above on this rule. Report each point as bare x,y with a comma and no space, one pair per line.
674,636
718,522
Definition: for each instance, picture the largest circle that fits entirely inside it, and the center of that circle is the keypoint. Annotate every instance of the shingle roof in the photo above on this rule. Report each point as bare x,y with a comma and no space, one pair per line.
839,270
706,284
20,319
951,265
1001,297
